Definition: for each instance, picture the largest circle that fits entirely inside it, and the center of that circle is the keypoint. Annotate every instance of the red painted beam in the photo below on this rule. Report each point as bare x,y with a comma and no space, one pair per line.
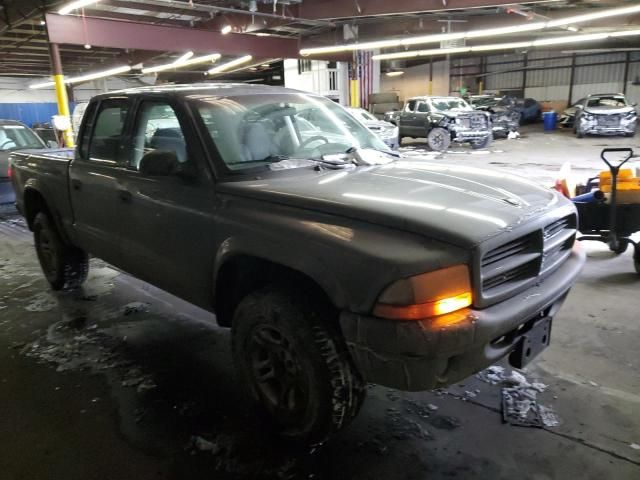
332,9
68,29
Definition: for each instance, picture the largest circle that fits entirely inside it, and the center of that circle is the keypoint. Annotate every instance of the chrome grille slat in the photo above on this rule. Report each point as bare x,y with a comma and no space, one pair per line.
512,266
508,264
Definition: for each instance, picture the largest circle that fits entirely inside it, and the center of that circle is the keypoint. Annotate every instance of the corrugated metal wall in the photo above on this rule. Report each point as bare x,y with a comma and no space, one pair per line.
548,74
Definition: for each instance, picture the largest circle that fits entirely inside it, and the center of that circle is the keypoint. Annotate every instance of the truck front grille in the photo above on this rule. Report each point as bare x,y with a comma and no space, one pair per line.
474,122
510,267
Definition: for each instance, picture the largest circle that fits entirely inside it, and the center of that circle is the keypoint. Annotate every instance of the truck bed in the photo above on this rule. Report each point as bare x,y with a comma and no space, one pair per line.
48,170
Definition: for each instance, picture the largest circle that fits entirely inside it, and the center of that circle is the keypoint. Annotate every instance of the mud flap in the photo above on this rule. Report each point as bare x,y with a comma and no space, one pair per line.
531,343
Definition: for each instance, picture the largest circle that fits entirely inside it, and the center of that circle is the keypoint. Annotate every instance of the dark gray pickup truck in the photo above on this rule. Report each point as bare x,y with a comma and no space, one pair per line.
334,261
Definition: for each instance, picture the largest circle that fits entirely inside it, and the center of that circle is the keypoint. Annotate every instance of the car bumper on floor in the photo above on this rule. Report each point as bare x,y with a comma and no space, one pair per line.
7,195
432,353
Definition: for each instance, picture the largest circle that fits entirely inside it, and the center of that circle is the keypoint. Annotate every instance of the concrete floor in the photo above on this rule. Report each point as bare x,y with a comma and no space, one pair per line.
117,381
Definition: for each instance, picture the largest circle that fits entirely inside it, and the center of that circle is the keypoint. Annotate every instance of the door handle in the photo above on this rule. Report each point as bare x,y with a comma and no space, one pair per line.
125,196
76,184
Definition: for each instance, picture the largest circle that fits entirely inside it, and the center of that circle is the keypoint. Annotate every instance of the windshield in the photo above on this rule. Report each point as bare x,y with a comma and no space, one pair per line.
362,114
443,104
14,137
607,102
251,130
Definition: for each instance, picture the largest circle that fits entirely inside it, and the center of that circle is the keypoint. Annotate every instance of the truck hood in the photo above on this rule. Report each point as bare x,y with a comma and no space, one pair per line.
460,205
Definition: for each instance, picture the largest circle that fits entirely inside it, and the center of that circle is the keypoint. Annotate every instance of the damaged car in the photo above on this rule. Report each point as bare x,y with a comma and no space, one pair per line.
605,114
505,118
387,131
443,120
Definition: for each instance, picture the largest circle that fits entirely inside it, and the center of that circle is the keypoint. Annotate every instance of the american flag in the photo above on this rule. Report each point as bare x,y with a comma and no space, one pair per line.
362,71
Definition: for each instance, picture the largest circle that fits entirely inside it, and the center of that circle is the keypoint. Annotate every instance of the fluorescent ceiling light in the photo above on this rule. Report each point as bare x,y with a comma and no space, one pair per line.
490,32
85,78
229,65
184,63
506,46
613,12
569,39
35,86
525,27
394,74
226,29
184,57
104,73
501,46
69,7
263,34
625,33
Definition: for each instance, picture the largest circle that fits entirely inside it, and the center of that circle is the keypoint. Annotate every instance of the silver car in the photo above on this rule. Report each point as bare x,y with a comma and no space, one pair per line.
14,136
605,114
385,130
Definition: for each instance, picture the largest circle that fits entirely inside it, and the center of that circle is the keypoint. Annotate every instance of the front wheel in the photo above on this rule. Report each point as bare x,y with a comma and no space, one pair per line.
579,132
291,356
484,143
438,139
64,266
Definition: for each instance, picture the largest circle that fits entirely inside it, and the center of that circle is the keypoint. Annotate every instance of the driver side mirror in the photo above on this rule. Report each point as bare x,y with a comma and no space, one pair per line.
160,163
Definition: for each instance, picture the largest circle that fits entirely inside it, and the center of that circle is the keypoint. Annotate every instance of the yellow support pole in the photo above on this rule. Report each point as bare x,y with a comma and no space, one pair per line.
63,107
480,87
61,92
355,93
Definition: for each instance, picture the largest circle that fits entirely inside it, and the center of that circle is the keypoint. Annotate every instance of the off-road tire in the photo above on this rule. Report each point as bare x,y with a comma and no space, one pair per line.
579,133
64,266
636,259
438,139
314,351
484,143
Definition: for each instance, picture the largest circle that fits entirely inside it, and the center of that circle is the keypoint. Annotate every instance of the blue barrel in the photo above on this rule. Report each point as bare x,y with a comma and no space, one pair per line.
550,120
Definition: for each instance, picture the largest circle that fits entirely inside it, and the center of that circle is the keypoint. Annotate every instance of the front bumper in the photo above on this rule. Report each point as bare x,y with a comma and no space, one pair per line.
432,353
470,135
623,128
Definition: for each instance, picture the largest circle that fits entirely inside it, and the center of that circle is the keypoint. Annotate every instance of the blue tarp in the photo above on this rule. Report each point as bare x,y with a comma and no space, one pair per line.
29,113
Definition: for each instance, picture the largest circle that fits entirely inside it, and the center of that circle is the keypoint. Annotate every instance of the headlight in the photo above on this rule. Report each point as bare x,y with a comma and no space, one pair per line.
426,295
631,114
588,117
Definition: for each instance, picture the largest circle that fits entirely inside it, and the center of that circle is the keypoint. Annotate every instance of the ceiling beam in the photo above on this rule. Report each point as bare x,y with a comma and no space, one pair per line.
67,29
332,9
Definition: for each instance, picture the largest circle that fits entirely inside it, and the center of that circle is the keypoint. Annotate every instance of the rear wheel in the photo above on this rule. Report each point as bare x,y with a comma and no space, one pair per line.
291,356
438,139
64,266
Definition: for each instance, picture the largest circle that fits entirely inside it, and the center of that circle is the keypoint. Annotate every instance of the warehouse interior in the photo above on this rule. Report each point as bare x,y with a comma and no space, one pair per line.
121,378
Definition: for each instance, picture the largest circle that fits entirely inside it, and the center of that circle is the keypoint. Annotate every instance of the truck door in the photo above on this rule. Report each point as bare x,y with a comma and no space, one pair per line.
167,221
407,120
422,119
93,178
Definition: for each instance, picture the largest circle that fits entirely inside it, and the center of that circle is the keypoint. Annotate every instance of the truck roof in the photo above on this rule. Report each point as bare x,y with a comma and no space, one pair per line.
10,122
184,90
426,97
